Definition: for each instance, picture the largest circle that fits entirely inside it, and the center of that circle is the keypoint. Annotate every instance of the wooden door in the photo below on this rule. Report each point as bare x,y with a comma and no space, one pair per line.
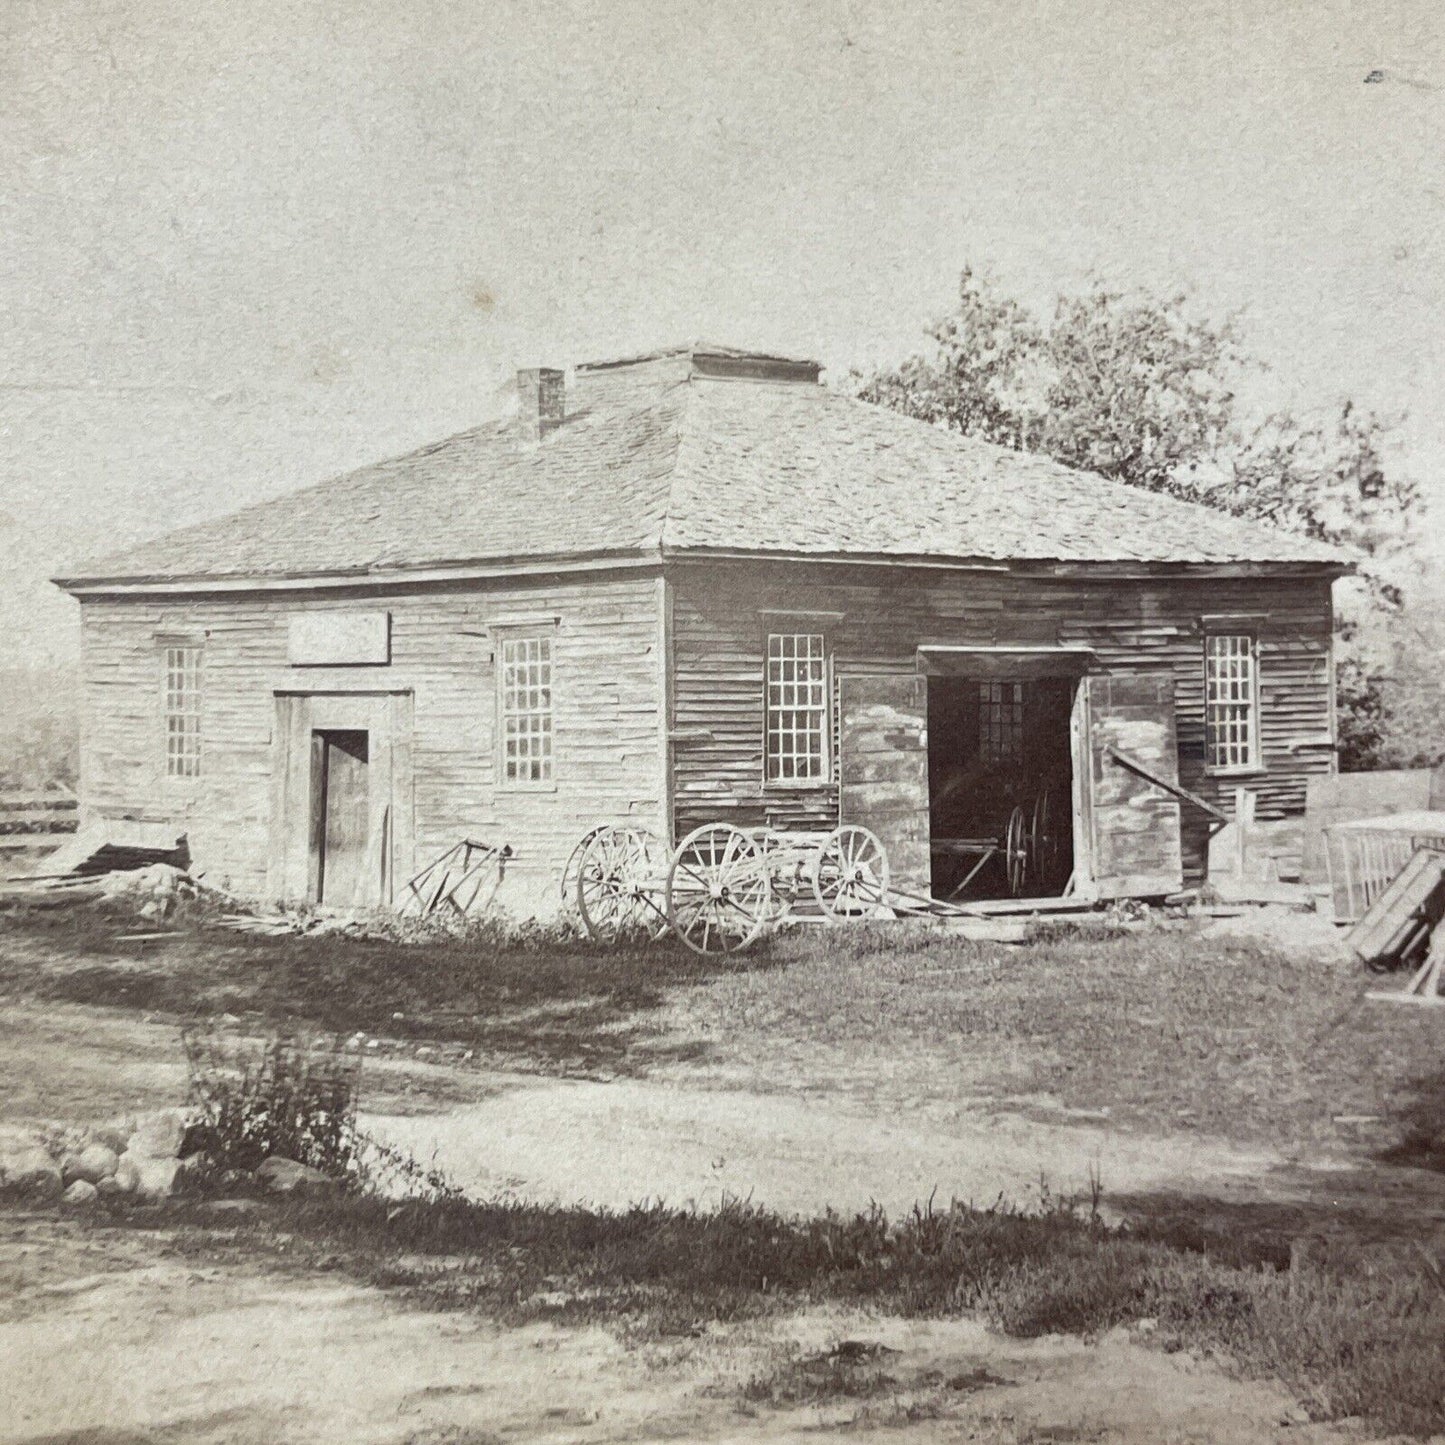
345,823
883,768
1133,821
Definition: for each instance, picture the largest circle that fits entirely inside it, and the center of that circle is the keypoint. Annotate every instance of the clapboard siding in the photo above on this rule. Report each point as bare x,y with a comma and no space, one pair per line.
718,631
607,708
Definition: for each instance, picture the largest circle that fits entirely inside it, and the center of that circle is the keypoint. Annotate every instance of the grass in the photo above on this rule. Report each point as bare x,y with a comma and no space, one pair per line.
1162,1030
1156,1029
1352,1331
534,996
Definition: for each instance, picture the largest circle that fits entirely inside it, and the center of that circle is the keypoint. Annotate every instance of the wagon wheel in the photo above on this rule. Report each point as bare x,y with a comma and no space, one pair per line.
1044,841
719,889
850,875
619,877
1016,852
574,859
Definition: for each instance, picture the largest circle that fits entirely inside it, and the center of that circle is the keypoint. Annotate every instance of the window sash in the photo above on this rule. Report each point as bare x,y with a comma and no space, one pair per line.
1001,723
797,709
1231,701
183,712
524,684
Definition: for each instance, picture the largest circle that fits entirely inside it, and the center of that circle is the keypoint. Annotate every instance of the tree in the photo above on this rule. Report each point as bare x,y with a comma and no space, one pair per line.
1142,389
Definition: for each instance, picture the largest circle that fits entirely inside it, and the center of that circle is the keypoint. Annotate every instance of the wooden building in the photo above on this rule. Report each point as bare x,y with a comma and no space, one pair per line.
699,586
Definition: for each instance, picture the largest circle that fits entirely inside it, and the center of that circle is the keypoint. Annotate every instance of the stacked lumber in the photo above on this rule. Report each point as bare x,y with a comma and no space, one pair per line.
1397,928
36,819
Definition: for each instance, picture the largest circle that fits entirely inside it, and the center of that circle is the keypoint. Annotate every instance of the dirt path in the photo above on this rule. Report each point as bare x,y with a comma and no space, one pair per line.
108,1339
76,1064
621,1142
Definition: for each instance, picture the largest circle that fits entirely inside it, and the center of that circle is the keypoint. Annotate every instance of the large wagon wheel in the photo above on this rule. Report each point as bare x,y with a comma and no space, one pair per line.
573,863
1016,851
619,877
850,875
719,889
1044,841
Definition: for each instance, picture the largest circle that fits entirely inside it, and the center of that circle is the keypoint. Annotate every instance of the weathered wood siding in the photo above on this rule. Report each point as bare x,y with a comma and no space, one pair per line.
718,629
608,690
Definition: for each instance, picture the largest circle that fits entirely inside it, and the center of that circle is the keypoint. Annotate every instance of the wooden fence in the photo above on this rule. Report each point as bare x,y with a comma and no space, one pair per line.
38,818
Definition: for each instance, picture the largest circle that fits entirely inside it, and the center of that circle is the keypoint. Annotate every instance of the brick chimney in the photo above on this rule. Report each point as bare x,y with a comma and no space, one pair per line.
542,401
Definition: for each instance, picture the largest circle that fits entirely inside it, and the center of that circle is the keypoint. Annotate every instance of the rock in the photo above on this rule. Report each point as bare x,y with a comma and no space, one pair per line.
126,1179
80,1193
30,1172
94,1163
155,1178
286,1176
114,1136
158,1136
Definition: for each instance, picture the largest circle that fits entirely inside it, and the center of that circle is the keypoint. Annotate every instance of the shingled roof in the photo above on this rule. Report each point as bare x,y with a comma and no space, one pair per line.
695,451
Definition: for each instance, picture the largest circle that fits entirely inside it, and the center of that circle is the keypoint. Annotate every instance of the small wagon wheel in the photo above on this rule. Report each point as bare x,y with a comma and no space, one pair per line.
850,875
574,859
1044,840
1016,851
719,889
619,877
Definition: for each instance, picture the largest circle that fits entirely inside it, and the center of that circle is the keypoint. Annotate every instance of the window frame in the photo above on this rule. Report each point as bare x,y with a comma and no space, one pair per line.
1015,726
829,707
503,639
1254,763
169,646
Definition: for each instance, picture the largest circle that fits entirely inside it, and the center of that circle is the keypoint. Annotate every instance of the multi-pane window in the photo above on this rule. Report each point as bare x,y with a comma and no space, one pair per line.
1001,722
183,712
797,708
1230,700
526,686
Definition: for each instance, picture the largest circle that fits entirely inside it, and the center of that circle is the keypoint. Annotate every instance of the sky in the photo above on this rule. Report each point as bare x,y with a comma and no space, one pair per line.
244,246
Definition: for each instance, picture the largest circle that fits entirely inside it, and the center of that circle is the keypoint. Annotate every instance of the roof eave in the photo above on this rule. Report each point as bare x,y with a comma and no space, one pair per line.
350,577
1061,566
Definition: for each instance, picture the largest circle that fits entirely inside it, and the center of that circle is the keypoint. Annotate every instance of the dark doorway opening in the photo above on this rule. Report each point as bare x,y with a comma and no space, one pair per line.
340,817
1000,778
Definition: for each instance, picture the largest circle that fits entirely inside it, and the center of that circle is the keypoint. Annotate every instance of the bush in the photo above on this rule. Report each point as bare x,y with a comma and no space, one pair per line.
287,1095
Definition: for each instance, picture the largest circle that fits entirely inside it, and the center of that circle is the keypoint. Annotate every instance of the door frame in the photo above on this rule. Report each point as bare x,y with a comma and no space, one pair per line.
1085,883
386,716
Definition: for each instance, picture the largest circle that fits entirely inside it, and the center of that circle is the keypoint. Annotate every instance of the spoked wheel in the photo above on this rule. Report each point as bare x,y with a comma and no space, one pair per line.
574,860
619,882
719,890
850,875
1016,851
1044,841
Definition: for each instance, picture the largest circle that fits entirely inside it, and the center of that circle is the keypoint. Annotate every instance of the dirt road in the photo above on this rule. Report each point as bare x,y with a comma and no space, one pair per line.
614,1144
107,1339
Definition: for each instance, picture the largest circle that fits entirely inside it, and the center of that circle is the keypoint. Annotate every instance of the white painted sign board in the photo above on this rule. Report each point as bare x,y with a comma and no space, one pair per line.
338,639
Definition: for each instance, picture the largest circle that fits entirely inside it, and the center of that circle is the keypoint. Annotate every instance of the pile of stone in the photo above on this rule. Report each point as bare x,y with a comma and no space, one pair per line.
154,891
140,1159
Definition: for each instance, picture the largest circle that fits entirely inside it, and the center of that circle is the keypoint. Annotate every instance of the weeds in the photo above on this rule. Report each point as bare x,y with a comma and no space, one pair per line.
287,1095
1351,1332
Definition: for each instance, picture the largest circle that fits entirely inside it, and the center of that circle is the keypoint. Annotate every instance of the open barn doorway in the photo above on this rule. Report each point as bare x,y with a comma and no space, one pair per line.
1000,777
